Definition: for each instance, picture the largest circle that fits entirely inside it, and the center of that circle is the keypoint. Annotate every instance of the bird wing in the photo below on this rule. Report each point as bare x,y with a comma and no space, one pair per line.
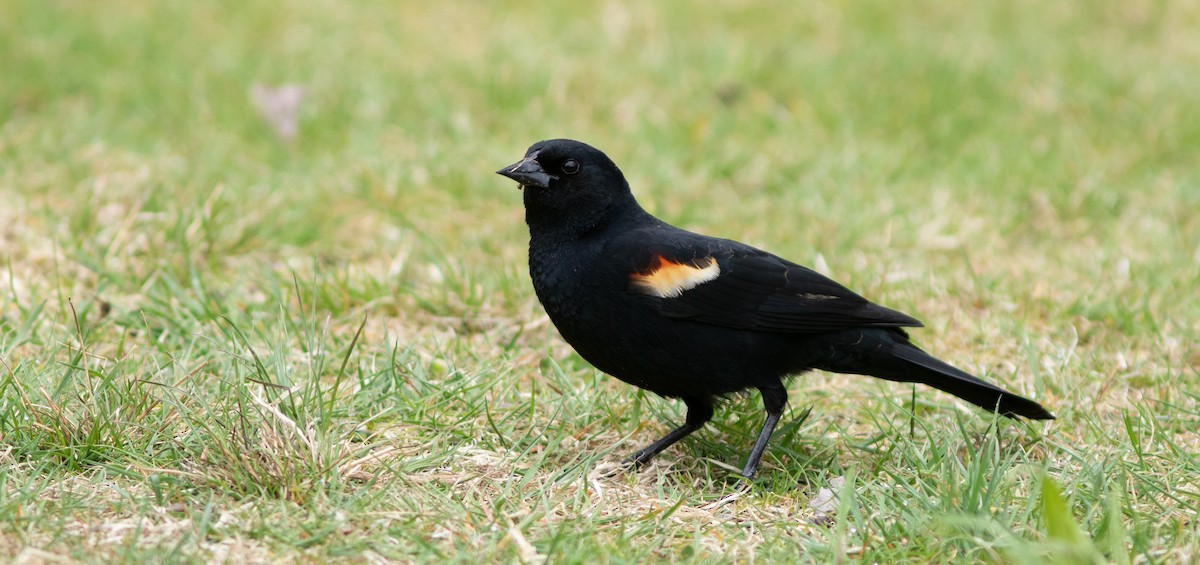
725,283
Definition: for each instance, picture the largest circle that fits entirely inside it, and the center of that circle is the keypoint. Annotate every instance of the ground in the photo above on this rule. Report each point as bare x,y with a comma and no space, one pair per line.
263,300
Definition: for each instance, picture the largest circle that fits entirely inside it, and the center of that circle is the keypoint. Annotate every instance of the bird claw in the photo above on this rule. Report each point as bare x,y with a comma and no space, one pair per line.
610,469
740,490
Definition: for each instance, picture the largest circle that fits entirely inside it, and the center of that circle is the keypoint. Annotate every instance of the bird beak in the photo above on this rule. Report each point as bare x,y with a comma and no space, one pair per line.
528,172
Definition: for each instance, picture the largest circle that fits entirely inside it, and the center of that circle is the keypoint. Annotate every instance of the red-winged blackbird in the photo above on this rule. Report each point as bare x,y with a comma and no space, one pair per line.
695,317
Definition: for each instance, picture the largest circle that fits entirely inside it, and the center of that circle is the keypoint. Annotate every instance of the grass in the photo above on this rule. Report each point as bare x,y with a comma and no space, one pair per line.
220,345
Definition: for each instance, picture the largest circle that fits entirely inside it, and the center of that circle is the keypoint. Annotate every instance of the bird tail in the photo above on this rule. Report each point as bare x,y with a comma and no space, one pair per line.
887,354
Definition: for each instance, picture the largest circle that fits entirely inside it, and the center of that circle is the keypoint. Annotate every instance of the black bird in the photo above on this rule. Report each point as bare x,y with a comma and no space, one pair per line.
694,317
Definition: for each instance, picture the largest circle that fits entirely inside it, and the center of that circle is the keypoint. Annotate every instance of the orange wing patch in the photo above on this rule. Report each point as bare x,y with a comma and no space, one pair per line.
668,279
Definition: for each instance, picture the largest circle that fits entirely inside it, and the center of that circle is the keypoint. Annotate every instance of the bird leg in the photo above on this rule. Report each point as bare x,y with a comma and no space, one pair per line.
774,400
699,412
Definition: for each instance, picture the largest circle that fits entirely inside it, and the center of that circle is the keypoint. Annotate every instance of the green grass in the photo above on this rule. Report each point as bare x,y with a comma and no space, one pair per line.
216,345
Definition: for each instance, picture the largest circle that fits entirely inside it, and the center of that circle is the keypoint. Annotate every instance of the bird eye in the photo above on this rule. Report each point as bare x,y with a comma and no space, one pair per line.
570,166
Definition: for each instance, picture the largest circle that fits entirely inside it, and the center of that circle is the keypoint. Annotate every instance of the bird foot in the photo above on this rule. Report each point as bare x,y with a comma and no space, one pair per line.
741,489
610,469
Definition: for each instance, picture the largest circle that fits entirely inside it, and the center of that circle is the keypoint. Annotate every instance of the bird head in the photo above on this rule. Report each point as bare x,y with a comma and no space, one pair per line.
568,183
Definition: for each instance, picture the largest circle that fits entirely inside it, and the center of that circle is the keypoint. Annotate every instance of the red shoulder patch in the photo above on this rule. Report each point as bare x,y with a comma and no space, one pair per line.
668,279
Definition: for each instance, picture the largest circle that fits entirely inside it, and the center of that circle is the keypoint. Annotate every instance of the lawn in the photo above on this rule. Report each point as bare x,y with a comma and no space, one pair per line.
221,341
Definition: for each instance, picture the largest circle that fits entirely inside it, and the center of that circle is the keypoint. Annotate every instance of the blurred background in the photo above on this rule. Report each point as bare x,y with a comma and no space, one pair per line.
817,120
